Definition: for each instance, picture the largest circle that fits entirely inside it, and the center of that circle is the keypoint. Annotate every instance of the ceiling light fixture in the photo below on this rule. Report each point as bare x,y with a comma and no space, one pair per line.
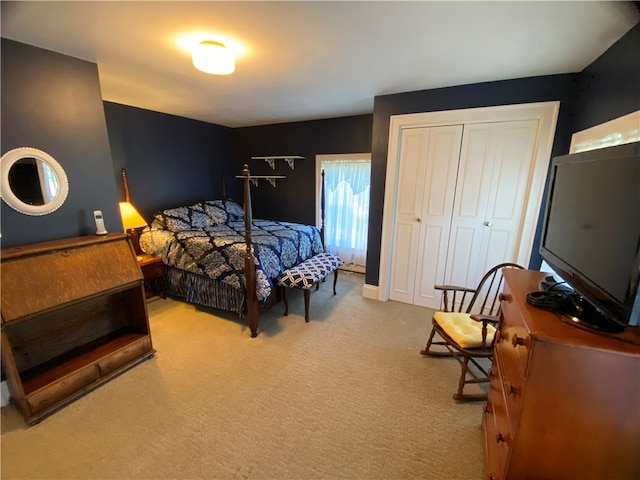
213,57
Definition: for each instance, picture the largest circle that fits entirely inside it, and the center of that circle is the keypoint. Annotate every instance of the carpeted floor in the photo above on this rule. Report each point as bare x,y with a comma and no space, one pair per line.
346,396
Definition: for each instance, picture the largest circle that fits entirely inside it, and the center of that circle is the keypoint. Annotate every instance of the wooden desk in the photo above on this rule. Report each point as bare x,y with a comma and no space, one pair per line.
73,318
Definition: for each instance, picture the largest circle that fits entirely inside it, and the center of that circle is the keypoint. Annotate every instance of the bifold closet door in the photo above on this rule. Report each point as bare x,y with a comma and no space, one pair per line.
459,205
426,190
494,174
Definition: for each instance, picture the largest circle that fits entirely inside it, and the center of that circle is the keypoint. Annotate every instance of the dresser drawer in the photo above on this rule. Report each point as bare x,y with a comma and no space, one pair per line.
497,433
512,385
125,355
514,343
53,393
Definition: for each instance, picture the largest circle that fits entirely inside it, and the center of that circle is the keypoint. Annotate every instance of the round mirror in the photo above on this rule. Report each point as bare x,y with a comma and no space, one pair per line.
32,181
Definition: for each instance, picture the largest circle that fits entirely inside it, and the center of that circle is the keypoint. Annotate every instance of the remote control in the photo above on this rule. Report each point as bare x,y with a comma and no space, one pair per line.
97,216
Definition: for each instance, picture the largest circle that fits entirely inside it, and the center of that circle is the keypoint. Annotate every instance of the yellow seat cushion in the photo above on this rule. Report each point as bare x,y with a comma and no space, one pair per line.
465,331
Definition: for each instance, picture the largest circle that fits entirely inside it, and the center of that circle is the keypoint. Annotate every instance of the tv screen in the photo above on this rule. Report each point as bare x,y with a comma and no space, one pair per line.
591,234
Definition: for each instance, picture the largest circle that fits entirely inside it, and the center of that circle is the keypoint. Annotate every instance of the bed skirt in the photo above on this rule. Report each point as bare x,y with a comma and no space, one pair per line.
204,291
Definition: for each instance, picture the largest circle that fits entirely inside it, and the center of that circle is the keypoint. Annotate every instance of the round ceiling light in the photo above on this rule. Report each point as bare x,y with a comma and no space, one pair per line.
213,57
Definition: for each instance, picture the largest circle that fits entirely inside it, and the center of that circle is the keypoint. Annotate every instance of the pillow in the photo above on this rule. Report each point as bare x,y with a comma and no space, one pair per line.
182,218
231,211
216,212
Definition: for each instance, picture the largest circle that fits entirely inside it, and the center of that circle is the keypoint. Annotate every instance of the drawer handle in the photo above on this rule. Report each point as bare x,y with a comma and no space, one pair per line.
519,341
502,438
63,384
491,373
511,389
126,350
504,297
487,409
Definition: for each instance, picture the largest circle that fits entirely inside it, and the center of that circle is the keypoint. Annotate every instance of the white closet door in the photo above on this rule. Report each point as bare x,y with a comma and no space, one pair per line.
438,200
472,194
427,176
460,205
509,194
494,174
408,209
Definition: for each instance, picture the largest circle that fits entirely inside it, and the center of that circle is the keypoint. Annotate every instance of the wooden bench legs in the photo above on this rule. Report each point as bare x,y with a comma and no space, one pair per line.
307,296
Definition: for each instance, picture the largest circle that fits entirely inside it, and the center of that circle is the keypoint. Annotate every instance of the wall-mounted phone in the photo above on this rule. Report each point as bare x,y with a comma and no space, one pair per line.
97,216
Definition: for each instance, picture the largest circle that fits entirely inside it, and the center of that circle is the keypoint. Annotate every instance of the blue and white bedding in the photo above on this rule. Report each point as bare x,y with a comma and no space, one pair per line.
207,239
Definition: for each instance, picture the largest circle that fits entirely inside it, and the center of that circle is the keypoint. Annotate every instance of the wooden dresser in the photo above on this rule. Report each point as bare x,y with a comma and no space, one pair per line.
73,317
564,403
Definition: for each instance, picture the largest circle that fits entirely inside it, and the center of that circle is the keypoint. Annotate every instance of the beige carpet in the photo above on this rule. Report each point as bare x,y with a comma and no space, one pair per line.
345,396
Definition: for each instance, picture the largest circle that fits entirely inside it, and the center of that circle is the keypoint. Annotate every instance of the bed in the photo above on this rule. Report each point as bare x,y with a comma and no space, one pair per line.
218,256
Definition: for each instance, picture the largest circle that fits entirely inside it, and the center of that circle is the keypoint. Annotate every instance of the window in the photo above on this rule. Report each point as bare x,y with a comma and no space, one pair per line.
347,190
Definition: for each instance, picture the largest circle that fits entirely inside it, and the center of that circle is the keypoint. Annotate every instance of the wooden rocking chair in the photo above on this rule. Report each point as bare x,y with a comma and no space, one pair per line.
467,328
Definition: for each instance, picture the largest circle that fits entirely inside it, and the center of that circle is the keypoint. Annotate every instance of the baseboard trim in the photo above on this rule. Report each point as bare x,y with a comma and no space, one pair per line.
353,268
370,291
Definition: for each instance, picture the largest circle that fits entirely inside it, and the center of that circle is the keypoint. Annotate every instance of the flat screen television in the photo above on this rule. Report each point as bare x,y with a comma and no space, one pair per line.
591,232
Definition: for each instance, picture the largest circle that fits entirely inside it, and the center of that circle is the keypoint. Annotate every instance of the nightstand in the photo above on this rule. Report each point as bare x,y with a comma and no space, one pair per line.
153,272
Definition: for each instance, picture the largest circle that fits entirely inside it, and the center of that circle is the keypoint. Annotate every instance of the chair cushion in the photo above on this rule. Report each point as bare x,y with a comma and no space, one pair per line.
312,270
465,331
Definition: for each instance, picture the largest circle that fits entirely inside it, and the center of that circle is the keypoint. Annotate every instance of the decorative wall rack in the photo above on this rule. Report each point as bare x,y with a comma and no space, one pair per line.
270,178
290,159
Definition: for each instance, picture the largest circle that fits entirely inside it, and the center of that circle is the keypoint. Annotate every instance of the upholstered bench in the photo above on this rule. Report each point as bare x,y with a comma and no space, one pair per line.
307,274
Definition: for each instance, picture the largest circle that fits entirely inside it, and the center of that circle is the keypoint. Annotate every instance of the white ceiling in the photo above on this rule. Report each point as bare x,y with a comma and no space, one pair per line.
307,60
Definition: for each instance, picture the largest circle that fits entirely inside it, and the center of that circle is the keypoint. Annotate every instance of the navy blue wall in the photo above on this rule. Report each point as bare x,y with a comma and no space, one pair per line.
170,161
610,87
293,199
53,102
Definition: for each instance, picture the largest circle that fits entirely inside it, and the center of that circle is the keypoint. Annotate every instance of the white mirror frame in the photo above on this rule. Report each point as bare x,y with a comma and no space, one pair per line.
12,156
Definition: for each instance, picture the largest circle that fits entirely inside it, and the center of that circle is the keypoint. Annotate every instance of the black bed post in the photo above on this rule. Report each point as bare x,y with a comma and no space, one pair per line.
249,264
322,208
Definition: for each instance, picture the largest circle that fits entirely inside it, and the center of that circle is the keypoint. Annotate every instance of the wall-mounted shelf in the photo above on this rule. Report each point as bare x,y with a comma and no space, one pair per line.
270,178
290,159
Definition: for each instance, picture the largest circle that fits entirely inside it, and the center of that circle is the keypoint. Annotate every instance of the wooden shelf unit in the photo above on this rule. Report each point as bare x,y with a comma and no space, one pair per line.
73,317
563,402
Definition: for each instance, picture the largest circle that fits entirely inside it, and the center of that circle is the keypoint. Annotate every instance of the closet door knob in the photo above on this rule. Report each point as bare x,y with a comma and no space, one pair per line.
418,219
487,224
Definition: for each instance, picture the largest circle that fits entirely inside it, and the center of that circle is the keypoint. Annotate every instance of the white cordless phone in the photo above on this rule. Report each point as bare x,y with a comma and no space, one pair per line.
97,216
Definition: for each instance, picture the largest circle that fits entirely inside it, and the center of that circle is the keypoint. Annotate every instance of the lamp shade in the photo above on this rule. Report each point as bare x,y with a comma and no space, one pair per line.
130,217
213,57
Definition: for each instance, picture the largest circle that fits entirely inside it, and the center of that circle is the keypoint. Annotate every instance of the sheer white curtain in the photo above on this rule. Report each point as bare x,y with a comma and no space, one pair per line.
347,188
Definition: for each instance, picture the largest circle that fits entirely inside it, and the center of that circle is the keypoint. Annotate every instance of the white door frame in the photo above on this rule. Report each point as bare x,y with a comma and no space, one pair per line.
545,112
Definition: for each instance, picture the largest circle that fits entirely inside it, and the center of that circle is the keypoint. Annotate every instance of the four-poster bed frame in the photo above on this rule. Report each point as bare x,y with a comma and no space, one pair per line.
254,309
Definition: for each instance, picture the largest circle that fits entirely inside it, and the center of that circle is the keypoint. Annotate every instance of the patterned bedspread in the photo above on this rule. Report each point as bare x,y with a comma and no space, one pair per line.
218,251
